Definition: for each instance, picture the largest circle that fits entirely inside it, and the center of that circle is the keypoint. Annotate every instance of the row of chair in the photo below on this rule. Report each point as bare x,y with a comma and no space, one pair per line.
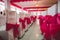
26,22
18,30
50,26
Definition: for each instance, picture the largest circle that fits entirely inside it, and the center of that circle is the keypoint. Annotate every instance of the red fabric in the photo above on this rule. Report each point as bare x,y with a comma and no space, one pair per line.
57,27
27,20
58,18
44,27
33,18
14,27
55,18
20,0
47,17
55,31
50,27
41,19
54,28
16,5
23,23
36,7
15,30
50,20
47,37
9,26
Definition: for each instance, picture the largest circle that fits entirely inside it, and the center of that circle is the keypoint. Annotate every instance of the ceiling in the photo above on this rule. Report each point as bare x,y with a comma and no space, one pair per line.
33,4
41,3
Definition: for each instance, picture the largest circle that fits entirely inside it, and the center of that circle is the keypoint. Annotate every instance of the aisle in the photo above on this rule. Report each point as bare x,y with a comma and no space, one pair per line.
33,33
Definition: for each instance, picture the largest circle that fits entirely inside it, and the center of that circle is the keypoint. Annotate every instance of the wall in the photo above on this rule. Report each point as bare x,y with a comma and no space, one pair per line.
52,10
2,6
58,6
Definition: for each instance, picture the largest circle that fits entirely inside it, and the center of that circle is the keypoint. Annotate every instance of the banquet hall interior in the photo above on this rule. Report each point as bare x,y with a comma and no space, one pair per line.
29,19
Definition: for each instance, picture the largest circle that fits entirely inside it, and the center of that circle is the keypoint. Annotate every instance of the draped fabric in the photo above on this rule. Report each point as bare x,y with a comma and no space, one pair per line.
20,0
9,26
48,19
57,33
50,25
23,23
44,27
58,19
15,30
41,19
33,18
27,20
14,27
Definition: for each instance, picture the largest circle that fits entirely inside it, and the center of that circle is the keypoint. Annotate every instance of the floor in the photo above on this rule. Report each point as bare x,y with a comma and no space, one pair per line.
33,33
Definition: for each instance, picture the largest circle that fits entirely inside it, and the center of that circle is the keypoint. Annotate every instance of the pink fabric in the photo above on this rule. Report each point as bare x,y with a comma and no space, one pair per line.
33,18
44,27
58,18
14,27
23,23
55,30
27,20
9,26
49,19
50,26
41,19
15,30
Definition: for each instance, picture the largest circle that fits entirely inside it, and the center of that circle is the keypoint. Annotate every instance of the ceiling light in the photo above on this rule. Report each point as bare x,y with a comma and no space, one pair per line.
36,5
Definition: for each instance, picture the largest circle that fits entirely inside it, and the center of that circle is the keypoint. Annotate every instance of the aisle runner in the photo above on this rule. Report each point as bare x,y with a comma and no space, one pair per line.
33,33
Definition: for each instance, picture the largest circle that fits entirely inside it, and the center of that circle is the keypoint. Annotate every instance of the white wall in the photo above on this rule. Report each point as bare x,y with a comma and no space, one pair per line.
58,6
43,13
52,10
2,6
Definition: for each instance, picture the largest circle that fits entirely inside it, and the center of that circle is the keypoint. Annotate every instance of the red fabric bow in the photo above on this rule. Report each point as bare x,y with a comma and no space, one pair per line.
23,23
9,26
15,30
27,20
14,27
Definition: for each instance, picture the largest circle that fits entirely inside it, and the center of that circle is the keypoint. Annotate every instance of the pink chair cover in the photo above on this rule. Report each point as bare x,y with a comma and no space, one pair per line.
23,23
9,26
27,20
41,19
15,30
